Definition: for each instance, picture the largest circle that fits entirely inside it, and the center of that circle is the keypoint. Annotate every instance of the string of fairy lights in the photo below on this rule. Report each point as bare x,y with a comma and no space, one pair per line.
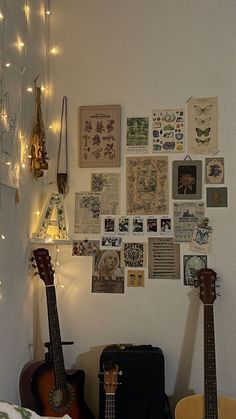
25,88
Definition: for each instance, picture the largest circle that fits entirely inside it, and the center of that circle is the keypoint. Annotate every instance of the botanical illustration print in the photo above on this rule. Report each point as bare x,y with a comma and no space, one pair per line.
147,185
108,184
137,134
214,170
87,213
192,265
134,254
99,136
187,179
203,125
168,130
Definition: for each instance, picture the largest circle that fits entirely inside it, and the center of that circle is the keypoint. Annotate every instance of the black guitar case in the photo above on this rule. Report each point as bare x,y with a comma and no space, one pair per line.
140,393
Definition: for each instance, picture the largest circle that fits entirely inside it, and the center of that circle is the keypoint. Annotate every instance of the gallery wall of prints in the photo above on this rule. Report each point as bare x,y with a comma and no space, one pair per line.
166,196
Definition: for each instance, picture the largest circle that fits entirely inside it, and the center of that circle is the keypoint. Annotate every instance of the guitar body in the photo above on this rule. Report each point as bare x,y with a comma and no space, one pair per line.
46,386
38,392
192,407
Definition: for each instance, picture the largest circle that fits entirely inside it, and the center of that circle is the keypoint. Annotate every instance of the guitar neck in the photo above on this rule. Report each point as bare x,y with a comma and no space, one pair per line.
55,338
210,383
110,406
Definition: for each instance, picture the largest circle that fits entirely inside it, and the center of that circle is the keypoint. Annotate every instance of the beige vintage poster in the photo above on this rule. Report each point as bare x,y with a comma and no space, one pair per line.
147,185
108,184
87,213
203,125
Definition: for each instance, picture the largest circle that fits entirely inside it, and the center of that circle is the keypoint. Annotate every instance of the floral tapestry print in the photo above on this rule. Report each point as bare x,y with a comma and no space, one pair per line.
99,136
147,185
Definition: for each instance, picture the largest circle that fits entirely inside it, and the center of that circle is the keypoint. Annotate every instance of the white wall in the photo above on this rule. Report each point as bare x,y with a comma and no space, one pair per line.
145,55
141,55
17,220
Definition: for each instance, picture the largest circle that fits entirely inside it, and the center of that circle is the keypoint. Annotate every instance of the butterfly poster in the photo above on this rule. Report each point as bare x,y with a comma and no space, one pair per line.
203,125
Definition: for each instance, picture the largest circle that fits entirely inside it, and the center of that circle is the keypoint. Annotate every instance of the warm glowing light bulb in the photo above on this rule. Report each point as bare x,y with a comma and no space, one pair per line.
7,65
54,50
48,12
29,89
1,16
8,163
43,88
3,237
27,11
23,165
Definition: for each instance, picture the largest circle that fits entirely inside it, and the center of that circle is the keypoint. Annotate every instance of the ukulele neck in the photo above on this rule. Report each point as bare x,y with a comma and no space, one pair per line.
110,406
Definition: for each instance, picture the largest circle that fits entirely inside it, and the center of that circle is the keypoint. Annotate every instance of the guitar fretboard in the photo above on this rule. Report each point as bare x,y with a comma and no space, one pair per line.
110,406
210,384
55,339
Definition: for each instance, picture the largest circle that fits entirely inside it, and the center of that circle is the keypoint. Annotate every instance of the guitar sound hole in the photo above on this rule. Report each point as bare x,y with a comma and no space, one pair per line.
61,400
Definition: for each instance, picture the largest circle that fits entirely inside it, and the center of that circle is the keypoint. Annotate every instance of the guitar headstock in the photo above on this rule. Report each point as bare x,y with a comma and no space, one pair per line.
43,261
110,380
207,280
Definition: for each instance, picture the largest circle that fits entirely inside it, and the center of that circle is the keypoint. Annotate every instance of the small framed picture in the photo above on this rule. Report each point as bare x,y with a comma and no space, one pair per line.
217,197
99,136
187,179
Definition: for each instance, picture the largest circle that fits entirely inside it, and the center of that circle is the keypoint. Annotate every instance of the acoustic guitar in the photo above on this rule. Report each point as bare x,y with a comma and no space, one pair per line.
45,386
209,405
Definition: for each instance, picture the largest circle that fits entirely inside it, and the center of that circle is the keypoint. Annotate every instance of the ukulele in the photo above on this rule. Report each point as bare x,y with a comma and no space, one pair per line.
209,405
110,385
45,386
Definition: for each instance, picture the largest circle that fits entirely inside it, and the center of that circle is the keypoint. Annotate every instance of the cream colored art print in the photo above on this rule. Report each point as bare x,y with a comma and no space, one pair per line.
147,185
203,125
99,136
